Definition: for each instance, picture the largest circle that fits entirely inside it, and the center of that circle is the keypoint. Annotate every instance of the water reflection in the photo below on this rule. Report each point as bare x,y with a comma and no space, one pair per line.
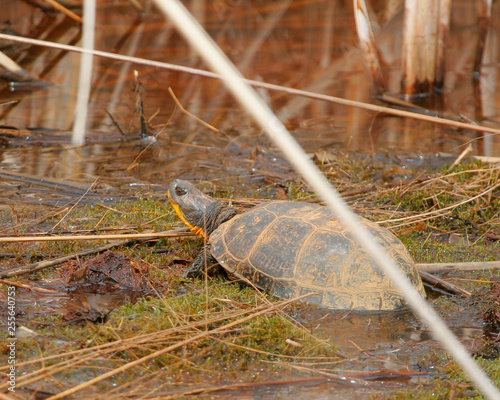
310,45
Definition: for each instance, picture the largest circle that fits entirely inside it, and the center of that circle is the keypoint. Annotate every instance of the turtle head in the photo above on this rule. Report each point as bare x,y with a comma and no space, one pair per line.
202,214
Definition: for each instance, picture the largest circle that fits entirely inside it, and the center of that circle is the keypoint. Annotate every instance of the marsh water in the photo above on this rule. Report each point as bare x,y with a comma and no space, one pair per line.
311,45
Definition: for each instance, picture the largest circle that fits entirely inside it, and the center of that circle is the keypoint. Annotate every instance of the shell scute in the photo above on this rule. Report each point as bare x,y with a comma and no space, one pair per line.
285,289
290,249
317,296
263,281
244,231
322,258
278,246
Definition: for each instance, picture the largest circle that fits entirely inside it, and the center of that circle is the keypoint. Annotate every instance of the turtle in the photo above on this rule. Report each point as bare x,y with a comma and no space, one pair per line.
290,248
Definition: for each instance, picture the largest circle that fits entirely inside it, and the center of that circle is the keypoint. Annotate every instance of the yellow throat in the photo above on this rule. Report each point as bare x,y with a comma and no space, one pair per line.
197,230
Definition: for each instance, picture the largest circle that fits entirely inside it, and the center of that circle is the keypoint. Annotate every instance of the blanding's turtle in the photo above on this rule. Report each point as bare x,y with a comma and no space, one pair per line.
292,248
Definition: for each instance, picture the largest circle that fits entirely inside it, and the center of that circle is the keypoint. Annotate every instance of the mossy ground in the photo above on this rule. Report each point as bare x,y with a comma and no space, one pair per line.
259,348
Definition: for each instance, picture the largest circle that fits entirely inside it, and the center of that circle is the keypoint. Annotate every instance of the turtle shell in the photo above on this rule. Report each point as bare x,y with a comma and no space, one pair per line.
289,249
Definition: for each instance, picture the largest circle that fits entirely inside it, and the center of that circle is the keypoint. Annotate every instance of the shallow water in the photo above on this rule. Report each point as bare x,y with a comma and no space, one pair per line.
309,45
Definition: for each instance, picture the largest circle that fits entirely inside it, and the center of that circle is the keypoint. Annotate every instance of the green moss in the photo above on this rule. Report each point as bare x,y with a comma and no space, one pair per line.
452,382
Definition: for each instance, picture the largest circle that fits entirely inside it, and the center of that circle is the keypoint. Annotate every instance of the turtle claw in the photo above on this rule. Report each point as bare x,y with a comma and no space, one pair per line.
189,273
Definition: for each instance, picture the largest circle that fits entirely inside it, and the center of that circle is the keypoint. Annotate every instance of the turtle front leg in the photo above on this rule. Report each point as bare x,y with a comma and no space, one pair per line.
204,263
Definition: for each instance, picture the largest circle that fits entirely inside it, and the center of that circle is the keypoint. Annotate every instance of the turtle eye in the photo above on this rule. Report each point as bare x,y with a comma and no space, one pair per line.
180,191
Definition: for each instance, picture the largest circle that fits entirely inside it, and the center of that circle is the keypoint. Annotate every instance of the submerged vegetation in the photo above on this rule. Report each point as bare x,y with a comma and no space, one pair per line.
188,337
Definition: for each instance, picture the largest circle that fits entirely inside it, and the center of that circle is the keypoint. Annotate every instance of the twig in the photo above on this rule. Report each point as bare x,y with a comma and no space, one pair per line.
406,105
442,284
28,287
15,71
78,201
138,6
115,123
16,284
466,151
461,266
7,102
152,235
337,378
140,104
46,264
64,10
183,110
380,357
135,163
